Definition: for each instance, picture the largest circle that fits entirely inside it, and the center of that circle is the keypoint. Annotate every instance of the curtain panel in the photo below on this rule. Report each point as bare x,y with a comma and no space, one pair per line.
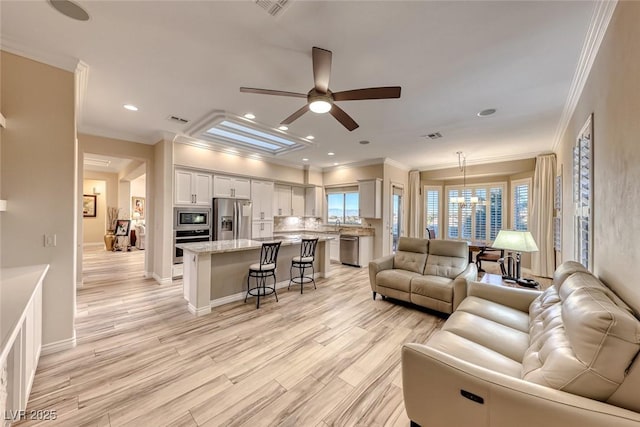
542,208
415,217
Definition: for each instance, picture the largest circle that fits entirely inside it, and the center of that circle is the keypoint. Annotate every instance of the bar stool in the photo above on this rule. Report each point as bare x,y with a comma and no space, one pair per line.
302,262
260,271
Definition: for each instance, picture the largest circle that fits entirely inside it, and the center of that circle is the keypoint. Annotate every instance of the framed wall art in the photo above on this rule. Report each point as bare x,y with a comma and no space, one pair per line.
89,205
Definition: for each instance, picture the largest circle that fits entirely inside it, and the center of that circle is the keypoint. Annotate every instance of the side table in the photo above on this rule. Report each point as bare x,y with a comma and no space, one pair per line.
496,279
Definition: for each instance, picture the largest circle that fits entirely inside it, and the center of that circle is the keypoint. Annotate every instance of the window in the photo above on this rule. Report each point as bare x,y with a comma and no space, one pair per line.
343,206
475,221
432,209
520,201
582,195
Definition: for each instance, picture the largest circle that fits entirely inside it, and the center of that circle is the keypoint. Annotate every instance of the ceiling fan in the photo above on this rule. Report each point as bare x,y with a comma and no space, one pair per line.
321,100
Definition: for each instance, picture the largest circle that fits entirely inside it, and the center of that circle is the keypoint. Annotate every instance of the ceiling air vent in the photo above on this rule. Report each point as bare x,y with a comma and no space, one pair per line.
273,7
178,120
434,135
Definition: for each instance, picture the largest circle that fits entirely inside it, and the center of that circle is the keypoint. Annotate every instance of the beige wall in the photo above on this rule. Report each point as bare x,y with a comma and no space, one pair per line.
93,228
399,177
38,178
612,94
215,161
163,212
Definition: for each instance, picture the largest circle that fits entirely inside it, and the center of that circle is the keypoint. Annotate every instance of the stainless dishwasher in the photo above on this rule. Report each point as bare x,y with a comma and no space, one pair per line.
350,250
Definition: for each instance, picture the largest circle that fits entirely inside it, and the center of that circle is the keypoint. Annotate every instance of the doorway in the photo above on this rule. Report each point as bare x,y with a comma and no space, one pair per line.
396,215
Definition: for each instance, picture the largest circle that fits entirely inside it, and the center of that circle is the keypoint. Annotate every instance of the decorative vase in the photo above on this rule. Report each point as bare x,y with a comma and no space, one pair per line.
109,240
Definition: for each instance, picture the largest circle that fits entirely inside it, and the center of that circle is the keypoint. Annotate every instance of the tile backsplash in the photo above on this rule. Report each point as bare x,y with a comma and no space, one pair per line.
294,223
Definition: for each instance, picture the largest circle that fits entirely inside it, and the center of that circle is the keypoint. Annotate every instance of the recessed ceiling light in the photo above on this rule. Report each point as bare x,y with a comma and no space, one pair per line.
487,112
364,142
331,153
70,9
250,116
283,127
304,159
310,137
130,107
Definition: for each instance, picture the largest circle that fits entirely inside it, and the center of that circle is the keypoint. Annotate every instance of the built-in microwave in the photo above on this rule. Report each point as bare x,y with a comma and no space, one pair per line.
191,218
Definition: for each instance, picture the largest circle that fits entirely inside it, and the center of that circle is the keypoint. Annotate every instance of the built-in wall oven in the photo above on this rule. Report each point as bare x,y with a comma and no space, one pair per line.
190,225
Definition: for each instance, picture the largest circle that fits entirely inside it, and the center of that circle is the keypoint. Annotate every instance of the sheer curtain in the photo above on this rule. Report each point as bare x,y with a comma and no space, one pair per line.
415,228
543,261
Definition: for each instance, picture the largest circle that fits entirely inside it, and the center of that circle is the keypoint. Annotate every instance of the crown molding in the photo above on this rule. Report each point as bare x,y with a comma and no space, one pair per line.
595,34
397,164
123,136
57,60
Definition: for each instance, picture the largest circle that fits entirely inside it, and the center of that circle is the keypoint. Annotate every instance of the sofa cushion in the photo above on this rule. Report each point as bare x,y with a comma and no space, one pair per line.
433,286
411,254
502,339
396,279
472,352
565,270
584,343
498,313
447,258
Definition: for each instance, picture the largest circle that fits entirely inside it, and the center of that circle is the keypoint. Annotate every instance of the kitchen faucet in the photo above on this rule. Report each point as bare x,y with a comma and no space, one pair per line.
337,225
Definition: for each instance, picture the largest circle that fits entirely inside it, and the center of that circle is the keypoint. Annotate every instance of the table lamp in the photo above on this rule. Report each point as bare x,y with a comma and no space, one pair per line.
515,241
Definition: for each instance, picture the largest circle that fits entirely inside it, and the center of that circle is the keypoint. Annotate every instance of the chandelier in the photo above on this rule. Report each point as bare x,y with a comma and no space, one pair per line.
460,201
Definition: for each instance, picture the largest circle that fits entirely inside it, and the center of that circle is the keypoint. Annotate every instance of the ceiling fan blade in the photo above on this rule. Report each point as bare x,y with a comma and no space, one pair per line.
321,68
368,93
272,92
343,118
295,115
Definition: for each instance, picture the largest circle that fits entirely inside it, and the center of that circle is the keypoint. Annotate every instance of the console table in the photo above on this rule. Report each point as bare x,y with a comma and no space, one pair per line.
496,279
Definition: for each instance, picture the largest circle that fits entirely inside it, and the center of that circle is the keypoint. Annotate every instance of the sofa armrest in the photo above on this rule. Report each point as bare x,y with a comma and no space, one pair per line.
460,284
378,265
519,299
433,383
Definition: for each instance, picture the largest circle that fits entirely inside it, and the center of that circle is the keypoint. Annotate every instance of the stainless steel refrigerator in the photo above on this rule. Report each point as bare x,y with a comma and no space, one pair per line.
231,219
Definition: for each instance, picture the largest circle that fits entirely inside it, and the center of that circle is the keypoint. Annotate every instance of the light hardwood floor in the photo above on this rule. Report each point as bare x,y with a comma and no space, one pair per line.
329,357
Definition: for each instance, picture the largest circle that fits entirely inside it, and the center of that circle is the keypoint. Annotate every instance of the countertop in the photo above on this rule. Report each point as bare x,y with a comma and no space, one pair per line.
17,286
222,246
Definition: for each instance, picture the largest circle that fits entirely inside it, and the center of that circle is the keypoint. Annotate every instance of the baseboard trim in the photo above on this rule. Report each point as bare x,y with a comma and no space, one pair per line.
58,346
198,312
93,244
160,280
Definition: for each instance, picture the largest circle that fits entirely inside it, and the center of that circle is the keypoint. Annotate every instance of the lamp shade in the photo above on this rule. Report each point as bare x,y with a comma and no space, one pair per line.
519,241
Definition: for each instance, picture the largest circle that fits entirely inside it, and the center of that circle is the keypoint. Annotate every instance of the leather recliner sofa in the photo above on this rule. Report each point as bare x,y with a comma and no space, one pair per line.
429,273
511,357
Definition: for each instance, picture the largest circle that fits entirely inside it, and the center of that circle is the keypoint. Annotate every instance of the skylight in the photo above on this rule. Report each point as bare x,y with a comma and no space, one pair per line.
227,130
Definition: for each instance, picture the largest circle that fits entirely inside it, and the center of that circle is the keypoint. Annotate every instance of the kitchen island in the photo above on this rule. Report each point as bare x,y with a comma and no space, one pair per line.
215,273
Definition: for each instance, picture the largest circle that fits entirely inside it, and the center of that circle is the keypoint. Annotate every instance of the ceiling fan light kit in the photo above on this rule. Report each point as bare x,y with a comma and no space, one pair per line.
321,100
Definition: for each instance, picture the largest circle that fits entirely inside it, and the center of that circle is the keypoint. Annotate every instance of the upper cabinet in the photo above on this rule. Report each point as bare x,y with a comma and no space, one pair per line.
297,201
282,199
231,187
263,195
192,188
313,205
370,198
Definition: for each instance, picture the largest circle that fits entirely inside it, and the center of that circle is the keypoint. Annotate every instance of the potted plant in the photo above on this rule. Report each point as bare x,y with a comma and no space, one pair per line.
112,218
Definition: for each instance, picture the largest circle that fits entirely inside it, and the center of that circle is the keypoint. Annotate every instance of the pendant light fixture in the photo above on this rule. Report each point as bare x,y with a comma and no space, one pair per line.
460,200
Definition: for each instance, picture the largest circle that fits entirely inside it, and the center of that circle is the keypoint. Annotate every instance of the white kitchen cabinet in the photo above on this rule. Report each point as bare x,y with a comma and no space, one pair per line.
231,187
370,198
261,229
192,188
313,204
262,198
334,249
297,201
282,199
365,251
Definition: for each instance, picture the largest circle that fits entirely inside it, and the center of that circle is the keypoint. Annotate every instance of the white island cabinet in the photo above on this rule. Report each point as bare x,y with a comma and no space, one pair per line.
20,334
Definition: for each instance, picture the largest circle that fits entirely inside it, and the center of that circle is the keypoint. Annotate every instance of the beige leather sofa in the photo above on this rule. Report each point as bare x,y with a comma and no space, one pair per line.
429,273
510,357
